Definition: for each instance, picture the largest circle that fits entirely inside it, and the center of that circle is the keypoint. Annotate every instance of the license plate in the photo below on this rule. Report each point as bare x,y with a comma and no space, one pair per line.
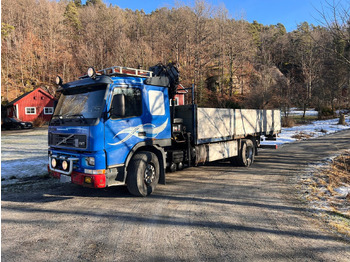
65,179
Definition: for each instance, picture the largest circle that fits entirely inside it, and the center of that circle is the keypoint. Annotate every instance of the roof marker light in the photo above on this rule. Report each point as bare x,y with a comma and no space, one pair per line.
91,72
59,80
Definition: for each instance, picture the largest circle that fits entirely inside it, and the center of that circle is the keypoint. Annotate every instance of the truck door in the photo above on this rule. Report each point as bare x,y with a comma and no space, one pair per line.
122,131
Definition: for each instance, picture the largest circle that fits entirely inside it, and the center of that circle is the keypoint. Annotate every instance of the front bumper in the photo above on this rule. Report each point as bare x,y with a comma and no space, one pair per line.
82,179
77,170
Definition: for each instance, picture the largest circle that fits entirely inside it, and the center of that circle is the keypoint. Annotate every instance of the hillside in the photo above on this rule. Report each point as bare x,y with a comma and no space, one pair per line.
231,62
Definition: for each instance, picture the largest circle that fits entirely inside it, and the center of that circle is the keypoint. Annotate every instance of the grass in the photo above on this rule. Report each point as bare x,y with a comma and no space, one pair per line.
297,120
300,120
339,172
293,120
321,189
302,135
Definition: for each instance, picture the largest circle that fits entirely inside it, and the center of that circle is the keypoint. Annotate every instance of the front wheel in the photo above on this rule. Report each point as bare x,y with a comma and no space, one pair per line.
143,174
246,154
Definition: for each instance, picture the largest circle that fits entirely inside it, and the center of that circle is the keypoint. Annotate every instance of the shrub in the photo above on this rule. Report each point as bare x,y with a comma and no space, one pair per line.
288,122
325,112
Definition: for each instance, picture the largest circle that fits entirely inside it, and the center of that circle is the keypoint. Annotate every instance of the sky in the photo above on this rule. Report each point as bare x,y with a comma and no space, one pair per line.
268,12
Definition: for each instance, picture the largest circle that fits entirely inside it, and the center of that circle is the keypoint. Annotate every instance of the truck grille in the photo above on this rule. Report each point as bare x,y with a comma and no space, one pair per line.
67,140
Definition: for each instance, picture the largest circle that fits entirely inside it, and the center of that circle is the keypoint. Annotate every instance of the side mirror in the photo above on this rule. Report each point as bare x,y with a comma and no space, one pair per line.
118,106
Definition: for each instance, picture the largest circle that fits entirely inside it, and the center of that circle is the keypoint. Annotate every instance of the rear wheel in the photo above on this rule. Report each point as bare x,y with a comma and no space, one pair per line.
246,154
143,174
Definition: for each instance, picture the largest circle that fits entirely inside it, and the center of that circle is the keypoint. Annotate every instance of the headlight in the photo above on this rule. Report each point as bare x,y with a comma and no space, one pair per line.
90,161
65,165
53,162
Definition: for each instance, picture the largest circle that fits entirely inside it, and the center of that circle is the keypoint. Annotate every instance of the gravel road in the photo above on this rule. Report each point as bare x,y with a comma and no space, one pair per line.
207,213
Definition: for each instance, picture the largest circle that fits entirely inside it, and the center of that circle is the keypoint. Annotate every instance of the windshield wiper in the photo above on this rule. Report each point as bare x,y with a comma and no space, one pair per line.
81,117
60,119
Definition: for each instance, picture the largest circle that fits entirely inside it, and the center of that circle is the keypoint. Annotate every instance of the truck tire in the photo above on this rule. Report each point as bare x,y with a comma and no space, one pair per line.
143,174
246,154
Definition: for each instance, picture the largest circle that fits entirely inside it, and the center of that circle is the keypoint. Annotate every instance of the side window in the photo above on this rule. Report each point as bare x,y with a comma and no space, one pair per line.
156,103
133,100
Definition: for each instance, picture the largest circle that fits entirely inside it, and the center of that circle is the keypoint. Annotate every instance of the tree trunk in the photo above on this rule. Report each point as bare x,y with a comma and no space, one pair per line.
342,120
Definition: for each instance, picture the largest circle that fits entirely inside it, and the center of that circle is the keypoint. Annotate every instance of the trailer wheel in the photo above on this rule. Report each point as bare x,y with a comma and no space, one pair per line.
246,154
172,167
180,166
143,174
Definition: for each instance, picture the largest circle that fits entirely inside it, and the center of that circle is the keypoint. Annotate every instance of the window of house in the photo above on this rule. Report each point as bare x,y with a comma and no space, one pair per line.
30,111
48,110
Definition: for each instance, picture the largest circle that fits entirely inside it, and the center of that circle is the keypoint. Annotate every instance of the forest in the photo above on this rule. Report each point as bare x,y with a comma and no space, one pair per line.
231,62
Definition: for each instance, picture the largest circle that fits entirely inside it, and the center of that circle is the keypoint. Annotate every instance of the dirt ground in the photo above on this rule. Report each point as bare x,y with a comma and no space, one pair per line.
207,213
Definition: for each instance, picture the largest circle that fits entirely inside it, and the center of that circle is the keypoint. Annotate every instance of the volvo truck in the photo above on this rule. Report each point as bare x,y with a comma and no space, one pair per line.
118,126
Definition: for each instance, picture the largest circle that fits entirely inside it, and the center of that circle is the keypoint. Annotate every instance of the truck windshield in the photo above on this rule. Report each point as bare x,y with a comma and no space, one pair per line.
79,106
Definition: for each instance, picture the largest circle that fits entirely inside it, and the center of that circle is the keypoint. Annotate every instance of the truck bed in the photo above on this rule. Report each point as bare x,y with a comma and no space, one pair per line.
220,124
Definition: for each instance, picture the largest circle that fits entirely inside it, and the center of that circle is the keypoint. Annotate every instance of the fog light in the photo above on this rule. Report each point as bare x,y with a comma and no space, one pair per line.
88,180
65,165
53,162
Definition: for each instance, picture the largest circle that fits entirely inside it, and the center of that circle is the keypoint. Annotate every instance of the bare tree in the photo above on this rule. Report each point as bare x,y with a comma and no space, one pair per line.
335,16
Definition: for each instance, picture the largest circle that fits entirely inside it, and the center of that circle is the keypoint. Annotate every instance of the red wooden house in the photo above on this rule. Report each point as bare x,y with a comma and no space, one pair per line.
32,105
180,95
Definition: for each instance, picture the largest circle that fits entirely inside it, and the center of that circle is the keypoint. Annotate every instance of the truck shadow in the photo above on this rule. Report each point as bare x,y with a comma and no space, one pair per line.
44,190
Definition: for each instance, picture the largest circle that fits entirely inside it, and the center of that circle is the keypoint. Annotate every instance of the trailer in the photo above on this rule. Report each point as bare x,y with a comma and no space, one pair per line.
119,126
218,132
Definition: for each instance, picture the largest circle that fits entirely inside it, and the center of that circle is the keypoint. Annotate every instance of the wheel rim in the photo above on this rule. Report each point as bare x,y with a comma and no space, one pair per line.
150,174
249,154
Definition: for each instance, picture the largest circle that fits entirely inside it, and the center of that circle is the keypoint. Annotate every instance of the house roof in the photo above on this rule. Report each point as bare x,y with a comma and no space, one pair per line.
25,94
181,90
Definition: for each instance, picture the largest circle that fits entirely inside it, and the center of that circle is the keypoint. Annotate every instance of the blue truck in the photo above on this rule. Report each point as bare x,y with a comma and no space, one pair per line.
119,126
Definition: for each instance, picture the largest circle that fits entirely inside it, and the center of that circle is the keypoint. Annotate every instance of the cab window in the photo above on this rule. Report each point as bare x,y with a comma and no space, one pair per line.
133,100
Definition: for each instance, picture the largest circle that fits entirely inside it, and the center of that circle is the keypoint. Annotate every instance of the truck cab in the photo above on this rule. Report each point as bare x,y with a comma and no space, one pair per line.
106,120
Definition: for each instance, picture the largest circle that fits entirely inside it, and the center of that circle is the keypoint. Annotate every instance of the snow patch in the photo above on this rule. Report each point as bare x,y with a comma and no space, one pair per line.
23,154
315,129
